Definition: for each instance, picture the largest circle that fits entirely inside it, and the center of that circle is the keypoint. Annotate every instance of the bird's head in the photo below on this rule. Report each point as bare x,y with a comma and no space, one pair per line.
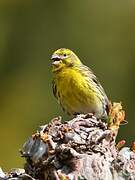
63,58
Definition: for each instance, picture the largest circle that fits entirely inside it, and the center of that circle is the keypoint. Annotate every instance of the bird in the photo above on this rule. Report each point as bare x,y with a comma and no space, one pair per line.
76,87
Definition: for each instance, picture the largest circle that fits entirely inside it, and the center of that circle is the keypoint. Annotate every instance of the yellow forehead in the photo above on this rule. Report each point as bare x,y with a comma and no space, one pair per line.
62,51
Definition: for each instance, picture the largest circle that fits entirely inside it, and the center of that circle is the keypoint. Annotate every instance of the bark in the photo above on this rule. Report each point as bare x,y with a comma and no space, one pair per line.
83,148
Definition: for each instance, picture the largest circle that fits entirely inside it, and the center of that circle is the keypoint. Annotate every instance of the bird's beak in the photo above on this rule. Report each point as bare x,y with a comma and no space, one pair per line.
56,59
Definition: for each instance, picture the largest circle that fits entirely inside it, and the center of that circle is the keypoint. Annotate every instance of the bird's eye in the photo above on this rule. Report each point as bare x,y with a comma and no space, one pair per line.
65,55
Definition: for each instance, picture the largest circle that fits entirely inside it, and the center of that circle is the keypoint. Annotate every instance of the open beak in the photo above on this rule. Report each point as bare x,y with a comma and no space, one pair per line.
56,59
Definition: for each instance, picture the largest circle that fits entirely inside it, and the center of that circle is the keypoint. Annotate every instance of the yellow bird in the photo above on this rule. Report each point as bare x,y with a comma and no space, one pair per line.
76,87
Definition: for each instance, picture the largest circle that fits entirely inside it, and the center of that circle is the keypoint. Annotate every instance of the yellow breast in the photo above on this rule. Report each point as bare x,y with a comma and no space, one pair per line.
75,93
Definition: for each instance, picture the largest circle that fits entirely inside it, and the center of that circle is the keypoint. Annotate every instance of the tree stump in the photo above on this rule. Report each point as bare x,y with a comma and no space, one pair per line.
83,148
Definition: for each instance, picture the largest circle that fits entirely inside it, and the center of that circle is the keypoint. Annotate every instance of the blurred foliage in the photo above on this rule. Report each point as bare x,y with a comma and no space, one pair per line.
102,33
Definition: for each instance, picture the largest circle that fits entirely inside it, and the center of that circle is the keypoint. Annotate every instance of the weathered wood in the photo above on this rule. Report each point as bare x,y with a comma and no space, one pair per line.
83,148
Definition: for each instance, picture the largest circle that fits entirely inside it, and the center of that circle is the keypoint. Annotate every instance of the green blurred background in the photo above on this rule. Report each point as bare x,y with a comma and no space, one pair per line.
102,33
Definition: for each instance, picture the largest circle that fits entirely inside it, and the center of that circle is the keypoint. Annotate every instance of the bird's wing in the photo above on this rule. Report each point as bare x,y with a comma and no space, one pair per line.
91,76
54,88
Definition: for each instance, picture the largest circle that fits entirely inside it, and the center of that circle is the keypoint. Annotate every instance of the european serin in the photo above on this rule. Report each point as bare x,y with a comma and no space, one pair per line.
76,87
